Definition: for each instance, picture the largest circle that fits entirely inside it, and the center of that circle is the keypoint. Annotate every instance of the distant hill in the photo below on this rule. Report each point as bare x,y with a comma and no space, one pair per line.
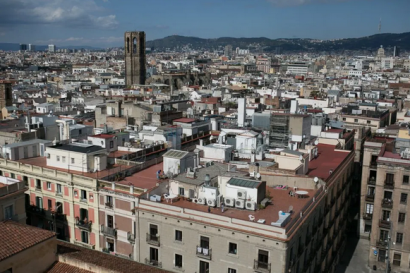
16,47
373,42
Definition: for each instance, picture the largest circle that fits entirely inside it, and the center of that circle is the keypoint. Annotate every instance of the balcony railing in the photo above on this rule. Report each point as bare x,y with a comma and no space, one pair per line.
205,253
371,181
87,245
387,203
389,185
373,165
38,188
109,231
153,239
83,224
108,205
370,197
262,267
83,200
153,262
384,224
59,194
381,243
131,237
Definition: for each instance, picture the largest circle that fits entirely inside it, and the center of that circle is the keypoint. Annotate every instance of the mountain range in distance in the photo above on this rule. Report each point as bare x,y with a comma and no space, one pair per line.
16,47
373,42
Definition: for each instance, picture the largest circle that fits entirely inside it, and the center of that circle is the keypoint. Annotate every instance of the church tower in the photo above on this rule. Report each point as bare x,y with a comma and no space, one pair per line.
135,61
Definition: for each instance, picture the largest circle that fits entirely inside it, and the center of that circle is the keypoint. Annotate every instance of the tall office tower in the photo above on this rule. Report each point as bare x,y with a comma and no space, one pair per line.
51,48
135,60
31,47
23,47
396,52
228,51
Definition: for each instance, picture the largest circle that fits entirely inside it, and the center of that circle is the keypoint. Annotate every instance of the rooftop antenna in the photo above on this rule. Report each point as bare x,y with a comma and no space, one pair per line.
380,25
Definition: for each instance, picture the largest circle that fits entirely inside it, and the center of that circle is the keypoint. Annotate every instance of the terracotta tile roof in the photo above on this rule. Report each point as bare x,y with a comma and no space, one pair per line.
96,259
15,237
60,267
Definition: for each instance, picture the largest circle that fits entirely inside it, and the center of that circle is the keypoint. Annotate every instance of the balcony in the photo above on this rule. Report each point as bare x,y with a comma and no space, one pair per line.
384,223
153,263
153,239
373,165
131,237
262,267
108,205
87,245
83,224
389,185
370,197
387,203
204,253
371,181
38,188
109,231
381,243
59,194
83,200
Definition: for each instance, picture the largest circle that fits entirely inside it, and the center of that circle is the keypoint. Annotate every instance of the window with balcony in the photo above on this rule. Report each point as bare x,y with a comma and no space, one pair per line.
389,178
373,161
83,215
396,259
406,179
84,237
181,191
110,221
59,189
233,248
386,215
59,207
178,235
83,195
371,191
369,208
399,238
263,259
203,267
153,254
382,255
204,242
178,260
384,234
110,246
403,198
388,195
402,217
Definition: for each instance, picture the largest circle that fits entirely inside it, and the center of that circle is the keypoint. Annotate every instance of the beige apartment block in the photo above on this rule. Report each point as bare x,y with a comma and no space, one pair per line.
12,201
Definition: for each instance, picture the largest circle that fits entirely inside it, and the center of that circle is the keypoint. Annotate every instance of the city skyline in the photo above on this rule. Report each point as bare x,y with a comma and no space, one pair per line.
101,22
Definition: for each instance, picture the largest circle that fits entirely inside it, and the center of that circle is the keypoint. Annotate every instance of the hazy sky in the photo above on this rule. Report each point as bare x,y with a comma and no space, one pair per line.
101,23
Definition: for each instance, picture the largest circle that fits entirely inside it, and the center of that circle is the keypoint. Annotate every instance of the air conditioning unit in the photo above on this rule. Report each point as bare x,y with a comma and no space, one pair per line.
240,204
211,202
241,194
250,205
201,201
230,202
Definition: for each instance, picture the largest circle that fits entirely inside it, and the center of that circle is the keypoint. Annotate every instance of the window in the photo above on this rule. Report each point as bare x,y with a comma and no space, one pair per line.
49,186
399,238
263,258
386,215
59,188
63,159
83,215
181,191
111,144
367,228
396,259
406,179
203,267
153,254
83,194
204,242
369,208
34,149
110,221
403,198
231,270
232,248
369,122
49,204
12,175
178,260
356,120
8,212
110,246
39,202
389,178
402,217
80,132
344,119
384,234
84,237
58,158
388,195
72,161
178,235
38,183
109,200
382,255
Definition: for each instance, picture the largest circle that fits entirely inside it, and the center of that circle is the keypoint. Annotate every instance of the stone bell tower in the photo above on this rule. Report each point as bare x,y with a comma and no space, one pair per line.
135,60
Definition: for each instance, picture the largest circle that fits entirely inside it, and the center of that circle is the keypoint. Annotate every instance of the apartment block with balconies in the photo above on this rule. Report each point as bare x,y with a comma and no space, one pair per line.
384,215
12,200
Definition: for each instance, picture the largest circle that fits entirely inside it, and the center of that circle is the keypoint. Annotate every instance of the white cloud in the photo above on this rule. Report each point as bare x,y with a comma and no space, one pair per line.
75,13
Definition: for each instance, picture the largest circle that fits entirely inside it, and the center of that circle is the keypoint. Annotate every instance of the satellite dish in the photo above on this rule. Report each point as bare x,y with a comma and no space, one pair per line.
316,142
258,175
316,179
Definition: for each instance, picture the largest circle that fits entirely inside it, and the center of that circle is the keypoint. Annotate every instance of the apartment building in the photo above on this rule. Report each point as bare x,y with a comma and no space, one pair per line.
384,198
12,201
279,223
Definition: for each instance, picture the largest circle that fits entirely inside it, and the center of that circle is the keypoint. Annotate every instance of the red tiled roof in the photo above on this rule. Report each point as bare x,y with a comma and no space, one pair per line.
60,267
96,259
184,120
15,237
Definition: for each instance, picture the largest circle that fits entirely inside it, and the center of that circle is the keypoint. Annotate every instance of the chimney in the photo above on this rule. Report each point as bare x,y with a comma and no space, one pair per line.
131,189
201,142
113,186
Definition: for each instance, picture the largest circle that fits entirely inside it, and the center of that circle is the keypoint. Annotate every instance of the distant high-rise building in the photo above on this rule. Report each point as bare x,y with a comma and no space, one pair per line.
23,47
31,47
396,52
135,60
228,51
380,53
52,48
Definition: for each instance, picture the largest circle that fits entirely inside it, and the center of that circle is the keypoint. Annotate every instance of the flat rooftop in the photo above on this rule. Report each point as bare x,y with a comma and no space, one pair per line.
145,179
280,201
78,147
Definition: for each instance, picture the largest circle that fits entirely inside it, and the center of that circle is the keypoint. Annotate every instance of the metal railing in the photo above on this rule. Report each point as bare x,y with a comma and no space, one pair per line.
108,205
205,253
130,237
153,262
109,231
153,239
83,224
384,223
370,197
387,203
261,266
371,181
389,184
